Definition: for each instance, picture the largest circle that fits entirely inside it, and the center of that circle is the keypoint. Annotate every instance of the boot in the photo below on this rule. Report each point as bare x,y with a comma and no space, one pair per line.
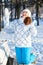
10,61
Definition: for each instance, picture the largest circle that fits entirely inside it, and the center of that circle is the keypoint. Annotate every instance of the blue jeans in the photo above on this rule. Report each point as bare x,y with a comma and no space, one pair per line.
24,55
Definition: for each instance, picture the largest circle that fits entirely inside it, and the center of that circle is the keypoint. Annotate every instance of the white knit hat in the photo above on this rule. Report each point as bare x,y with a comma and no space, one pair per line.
28,11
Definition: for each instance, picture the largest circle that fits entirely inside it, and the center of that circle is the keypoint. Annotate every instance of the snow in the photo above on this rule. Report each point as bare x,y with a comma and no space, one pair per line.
37,42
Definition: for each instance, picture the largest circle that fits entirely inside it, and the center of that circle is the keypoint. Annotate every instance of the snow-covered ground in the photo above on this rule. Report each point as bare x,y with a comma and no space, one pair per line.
8,34
38,43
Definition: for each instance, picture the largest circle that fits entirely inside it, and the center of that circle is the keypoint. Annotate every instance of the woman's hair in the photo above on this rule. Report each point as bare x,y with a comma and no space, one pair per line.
27,21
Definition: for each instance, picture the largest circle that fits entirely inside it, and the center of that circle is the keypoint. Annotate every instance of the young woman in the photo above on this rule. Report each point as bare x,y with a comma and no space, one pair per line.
24,31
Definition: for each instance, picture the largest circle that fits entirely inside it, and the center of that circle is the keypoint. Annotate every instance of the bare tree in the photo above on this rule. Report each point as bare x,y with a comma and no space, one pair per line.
17,8
0,15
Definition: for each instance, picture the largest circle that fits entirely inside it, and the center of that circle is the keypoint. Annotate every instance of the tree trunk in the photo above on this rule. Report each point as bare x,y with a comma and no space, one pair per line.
17,10
37,10
23,6
0,16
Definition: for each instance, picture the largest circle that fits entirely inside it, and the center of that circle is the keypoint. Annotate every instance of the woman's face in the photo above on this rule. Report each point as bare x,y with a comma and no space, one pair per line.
24,14
26,19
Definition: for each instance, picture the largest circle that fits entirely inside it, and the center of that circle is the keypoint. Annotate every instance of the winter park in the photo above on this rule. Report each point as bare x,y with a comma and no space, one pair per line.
21,32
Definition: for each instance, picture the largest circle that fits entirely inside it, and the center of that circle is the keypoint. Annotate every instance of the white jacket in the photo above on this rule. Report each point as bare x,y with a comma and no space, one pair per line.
23,34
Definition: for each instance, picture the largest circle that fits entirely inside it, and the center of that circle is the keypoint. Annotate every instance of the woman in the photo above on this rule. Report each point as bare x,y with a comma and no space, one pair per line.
24,31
